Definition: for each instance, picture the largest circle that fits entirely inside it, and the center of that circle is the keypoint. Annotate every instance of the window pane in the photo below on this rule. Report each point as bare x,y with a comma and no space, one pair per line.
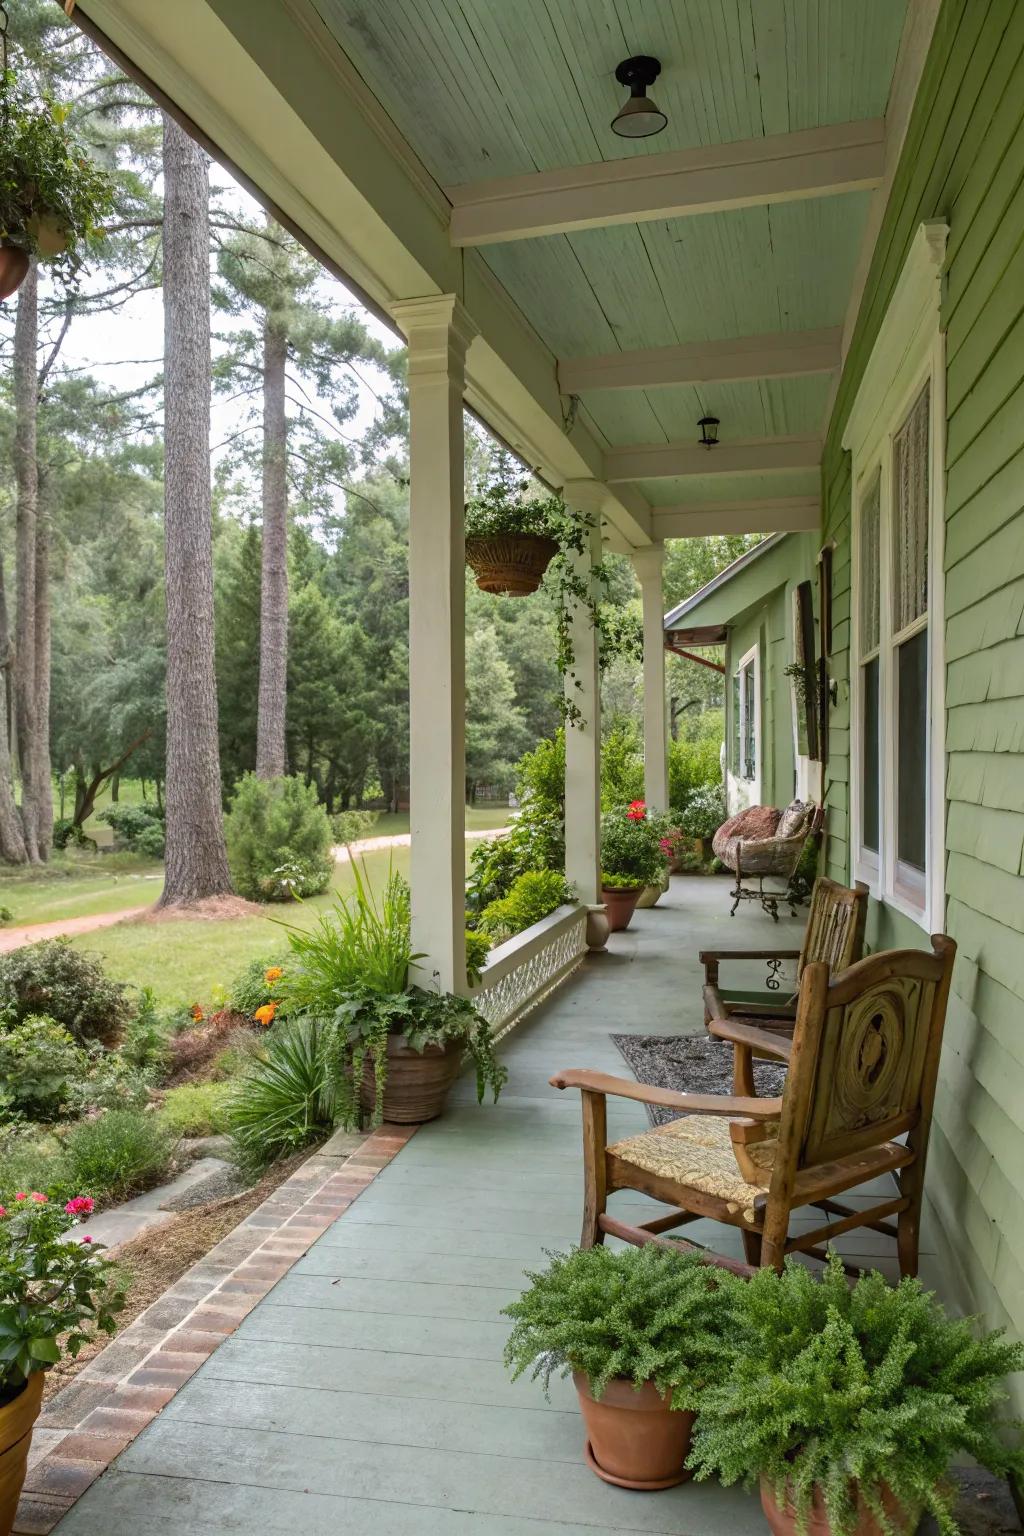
870,607
912,750
869,756
910,515
735,752
749,745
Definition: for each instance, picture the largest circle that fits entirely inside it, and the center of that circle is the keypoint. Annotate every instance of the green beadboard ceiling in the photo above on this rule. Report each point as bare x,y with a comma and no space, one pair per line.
486,88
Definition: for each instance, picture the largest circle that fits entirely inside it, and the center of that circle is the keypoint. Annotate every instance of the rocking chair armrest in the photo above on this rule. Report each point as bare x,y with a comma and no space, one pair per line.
711,959
727,1105
764,1043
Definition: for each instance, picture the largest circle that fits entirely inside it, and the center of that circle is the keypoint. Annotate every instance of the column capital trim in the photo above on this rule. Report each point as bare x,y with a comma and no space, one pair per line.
417,318
649,560
587,495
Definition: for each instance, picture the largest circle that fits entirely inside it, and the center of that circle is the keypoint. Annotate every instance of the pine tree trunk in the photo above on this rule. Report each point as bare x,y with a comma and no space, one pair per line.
270,720
26,478
196,859
42,774
12,840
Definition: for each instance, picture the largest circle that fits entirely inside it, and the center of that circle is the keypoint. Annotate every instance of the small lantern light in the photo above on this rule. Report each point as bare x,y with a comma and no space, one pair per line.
640,118
709,430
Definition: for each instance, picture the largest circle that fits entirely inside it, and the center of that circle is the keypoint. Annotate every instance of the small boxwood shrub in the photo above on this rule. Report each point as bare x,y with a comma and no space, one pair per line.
119,1154
67,986
533,896
39,1067
196,1109
139,827
279,839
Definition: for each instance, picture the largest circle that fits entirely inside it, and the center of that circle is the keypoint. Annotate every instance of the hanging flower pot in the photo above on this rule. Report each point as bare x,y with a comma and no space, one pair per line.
13,269
511,564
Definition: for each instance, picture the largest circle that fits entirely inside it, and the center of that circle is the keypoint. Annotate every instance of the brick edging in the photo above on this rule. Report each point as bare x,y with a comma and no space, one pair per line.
90,1421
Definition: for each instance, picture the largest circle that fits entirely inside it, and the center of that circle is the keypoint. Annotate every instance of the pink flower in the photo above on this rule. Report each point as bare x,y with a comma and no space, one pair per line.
666,845
3,1210
21,1195
87,1239
38,1198
81,1205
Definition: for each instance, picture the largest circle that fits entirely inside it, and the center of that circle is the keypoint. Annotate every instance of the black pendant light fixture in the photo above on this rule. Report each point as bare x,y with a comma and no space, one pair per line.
709,426
639,118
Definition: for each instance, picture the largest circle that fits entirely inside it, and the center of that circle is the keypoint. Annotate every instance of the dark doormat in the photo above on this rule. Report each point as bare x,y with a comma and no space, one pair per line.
690,1064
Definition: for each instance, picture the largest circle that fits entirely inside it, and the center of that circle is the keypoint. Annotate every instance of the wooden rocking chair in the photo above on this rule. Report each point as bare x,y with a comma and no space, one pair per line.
834,936
863,1063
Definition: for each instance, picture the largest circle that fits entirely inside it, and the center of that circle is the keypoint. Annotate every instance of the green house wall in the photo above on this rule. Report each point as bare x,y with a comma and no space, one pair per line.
964,161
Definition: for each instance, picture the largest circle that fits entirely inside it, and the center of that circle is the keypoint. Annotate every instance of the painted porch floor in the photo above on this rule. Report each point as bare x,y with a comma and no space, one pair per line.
366,1392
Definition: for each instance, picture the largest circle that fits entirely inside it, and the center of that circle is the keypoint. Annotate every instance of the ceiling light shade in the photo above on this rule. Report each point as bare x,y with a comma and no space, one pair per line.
709,426
640,117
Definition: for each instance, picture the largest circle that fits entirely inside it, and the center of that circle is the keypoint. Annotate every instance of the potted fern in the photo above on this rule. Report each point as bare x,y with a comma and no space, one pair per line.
849,1404
642,1331
53,196
632,859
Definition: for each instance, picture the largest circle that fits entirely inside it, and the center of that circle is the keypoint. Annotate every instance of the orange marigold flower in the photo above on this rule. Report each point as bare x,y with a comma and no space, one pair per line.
273,973
265,1015
197,1013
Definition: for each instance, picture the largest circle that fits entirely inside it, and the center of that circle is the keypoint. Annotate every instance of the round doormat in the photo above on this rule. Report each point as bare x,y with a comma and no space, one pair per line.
690,1064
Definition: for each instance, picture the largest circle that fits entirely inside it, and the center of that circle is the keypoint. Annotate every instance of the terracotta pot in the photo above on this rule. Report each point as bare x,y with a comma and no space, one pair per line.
598,928
783,1520
13,267
418,1082
634,1438
510,563
16,1420
620,905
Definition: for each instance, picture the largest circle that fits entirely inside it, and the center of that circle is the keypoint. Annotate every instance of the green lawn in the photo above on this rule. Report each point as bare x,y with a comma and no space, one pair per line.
74,885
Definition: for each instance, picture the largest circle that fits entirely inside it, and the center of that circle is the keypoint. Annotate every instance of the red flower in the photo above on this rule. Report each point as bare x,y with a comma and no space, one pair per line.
637,810
86,1239
3,1210
81,1205
38,1198
666,845
21,1195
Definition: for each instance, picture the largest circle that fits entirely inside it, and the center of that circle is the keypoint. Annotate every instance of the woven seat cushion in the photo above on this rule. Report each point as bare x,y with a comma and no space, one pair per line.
697,1151
753,824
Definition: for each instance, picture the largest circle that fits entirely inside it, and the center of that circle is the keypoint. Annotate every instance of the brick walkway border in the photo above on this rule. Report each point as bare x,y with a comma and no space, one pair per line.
84,1427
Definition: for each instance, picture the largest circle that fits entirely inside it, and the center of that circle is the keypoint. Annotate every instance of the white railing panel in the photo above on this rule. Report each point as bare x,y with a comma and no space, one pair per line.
520,973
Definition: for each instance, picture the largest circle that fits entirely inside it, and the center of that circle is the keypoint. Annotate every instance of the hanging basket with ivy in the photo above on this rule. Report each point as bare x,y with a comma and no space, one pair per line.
511,540
53,196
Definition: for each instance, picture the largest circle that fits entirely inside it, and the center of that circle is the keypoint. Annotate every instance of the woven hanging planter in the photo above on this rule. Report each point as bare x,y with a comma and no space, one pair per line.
13,269
510,563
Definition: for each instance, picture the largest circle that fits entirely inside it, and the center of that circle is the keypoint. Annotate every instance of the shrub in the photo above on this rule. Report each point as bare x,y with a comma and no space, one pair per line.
55,1296
534,842
540,778
196,1109
67,832
6,915
286,1097
350,826
278,839
631,852
145,1042
828,1384
478,947
110,1082
622,766
705,812
256,986
646,1314
533,896
695,760
364,942
67,986
39,1065
139,827
33,1160
119,1154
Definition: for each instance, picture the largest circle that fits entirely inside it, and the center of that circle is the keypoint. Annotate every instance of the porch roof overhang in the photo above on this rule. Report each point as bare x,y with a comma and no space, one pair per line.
619,289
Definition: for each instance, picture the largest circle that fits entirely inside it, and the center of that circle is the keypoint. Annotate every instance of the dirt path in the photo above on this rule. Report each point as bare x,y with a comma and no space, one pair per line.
69,927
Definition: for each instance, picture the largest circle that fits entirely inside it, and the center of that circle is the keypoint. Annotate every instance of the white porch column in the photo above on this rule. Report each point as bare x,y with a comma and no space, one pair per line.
648,563
438,331
583,742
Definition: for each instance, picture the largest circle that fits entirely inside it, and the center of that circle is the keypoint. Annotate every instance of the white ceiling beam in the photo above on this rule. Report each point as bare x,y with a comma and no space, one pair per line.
816,162
756,456
794,514
787,355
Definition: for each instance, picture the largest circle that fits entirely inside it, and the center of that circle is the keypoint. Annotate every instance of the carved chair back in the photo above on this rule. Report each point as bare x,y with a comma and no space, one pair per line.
865,1057
835,926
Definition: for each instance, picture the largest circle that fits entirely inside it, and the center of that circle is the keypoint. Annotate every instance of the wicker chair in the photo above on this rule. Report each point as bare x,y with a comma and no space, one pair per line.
755,859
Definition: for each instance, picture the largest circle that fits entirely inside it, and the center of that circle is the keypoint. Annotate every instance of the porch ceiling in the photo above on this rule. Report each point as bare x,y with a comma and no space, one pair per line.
366,120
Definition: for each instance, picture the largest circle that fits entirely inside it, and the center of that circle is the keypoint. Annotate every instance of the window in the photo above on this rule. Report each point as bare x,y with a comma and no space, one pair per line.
897,674
746,695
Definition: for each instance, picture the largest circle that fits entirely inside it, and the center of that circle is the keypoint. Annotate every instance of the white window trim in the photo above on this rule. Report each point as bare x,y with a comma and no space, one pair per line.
752,659
909,352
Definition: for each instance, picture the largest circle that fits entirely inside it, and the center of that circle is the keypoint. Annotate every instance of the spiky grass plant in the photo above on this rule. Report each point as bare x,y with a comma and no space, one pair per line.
645,1314
849,1389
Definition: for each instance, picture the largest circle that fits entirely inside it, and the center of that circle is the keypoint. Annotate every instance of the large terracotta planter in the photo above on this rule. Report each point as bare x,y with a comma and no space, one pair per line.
418,1082
512,564
620,905
13,269
634,1438
782,1519
16,1421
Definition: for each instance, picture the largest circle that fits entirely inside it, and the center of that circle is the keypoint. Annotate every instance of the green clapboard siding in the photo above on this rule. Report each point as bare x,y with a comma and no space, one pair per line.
964,161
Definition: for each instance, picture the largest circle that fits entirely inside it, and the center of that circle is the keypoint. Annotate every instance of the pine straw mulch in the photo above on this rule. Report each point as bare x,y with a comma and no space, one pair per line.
210,909
161,1255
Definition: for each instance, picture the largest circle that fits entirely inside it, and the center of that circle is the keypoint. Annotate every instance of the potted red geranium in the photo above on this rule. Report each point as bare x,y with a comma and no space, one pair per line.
55,1296
632,859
